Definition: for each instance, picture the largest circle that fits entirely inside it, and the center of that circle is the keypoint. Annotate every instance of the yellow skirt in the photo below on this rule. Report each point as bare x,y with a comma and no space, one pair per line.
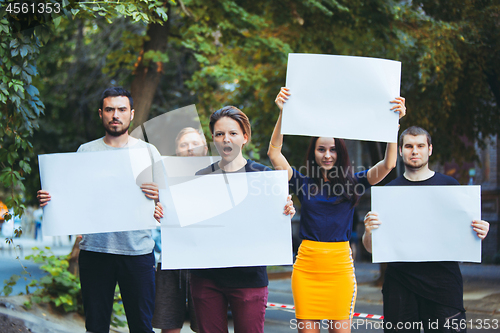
323,281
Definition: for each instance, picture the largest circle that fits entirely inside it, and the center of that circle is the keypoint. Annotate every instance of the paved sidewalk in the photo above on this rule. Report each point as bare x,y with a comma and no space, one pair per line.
481,285
59,245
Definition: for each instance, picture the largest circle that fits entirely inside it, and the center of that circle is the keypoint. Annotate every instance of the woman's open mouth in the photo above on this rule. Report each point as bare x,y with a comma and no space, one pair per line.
227,150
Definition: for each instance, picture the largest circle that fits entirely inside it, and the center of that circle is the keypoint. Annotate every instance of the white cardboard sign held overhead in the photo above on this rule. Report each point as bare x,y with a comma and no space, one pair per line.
95,192
426,223
226,220
342,96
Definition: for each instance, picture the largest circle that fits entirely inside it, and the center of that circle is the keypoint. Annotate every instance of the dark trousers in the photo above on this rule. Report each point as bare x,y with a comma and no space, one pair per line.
135,275
405,311
248,306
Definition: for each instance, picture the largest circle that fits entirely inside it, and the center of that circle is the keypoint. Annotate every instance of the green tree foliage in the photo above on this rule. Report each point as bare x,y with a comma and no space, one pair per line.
451,73
219,52
449,51
24,28
20,104
242,49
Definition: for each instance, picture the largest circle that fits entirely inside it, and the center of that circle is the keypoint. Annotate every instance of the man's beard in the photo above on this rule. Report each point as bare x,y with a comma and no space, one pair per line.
416,166
116,133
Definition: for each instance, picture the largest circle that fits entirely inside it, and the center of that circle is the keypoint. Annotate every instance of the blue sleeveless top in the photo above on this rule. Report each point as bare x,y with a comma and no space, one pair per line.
326,216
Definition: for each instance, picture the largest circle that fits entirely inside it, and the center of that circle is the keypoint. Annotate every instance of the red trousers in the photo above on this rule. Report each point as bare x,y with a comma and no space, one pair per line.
248,306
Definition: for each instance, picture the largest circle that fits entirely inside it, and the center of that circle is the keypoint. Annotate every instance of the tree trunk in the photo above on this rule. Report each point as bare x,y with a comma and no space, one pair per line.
73,267
148,74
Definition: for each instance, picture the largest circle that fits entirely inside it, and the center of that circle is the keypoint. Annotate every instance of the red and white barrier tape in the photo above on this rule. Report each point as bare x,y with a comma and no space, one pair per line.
279,305
357,314
367,316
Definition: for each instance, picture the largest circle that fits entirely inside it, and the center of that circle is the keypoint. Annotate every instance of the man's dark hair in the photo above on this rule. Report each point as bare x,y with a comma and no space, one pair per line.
415,130
116,92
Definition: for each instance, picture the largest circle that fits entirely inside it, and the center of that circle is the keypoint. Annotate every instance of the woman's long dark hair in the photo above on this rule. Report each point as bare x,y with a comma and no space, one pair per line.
342,172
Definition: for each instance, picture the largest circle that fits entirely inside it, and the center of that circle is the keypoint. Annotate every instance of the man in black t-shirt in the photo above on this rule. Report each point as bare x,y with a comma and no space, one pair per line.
421,294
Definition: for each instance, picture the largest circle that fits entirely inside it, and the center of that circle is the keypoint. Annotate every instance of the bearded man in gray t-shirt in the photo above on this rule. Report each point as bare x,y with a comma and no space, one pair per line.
124,257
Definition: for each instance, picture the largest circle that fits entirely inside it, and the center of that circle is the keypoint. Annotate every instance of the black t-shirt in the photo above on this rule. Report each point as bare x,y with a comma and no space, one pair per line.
235,277
440,281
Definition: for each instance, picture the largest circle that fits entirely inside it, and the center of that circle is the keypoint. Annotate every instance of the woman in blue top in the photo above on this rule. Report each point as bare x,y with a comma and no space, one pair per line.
323,280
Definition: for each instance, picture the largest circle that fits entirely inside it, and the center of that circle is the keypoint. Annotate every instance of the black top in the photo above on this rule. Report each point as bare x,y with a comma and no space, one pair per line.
235,277
439,281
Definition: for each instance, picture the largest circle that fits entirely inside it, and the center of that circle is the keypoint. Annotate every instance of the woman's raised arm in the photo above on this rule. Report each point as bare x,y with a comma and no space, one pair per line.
274,152
382,168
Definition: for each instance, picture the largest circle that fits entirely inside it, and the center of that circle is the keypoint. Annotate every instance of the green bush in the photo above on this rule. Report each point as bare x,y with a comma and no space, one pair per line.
59,287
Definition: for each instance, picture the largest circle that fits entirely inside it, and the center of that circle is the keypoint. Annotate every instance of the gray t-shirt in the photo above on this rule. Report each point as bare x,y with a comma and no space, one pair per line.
132,243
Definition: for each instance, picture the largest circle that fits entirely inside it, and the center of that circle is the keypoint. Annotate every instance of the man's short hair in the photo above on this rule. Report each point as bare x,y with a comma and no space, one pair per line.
415,130
116,92
187,130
